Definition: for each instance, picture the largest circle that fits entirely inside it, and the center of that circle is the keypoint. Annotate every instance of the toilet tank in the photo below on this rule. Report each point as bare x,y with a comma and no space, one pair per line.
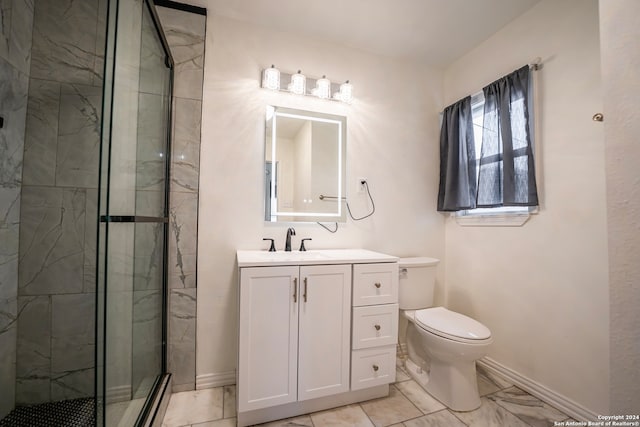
417,282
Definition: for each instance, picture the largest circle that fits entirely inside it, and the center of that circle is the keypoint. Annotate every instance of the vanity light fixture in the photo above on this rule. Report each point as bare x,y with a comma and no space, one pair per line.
298,82
271,78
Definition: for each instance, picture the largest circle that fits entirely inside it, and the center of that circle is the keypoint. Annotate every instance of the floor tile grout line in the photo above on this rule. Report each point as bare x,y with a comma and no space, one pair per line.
410,401
366,415
411,419
413,403
457,417
311,419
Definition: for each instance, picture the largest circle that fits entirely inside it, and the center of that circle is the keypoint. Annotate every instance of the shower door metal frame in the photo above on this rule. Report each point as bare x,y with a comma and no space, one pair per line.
150,410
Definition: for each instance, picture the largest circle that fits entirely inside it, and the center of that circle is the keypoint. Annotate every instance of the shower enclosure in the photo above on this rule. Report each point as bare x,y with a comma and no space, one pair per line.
85,120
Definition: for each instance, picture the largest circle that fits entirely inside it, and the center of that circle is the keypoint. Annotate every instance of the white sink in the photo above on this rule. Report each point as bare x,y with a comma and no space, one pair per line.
320,256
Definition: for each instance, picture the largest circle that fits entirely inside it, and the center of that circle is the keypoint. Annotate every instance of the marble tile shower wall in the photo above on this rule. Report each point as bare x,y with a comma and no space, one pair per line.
56,272
16,22
185,34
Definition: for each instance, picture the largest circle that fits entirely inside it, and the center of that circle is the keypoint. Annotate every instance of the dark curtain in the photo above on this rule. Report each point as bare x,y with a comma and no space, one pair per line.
457,158
506,173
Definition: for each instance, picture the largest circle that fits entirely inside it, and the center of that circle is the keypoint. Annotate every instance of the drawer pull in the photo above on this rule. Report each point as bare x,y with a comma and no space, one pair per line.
377,327
375,368
295,289
377,285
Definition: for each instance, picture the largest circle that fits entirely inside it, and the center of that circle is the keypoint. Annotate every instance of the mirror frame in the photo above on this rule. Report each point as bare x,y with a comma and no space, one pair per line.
271,214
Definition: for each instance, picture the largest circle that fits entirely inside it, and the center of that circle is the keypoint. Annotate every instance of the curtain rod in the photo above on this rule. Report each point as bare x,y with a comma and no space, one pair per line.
534,65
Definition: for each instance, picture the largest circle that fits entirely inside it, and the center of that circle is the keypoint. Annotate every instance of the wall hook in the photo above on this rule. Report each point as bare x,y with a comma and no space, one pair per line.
598,117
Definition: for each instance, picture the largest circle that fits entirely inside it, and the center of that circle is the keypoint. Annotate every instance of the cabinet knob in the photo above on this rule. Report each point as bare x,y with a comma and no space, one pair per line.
377,327
377,285
375,368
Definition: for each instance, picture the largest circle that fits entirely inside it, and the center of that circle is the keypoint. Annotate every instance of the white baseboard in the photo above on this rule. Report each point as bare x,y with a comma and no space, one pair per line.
118,393
215,380
558,401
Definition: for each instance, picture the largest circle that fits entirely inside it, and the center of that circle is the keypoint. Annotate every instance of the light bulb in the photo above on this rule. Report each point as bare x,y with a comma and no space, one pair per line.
323,88
346,92
298,83
271,78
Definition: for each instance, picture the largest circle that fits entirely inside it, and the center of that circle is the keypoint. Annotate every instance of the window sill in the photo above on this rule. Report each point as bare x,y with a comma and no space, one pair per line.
492,220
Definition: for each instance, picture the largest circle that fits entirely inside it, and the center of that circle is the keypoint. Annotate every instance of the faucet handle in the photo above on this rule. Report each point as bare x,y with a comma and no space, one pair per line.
273,246
302,248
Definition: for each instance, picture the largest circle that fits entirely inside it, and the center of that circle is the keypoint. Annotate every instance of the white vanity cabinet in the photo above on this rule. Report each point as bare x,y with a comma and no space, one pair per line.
312,334
294,334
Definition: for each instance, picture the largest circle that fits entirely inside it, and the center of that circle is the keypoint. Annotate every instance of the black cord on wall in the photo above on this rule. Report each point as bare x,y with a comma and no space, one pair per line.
373,209
373,205
327,228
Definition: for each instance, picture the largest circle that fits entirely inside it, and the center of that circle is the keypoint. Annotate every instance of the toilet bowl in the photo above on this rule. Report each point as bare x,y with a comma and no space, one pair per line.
442,345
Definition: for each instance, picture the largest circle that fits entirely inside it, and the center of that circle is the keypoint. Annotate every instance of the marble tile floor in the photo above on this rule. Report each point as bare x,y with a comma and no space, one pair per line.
407,405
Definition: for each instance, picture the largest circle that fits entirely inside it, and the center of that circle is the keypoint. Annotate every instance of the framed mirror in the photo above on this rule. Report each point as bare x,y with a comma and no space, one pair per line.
305,166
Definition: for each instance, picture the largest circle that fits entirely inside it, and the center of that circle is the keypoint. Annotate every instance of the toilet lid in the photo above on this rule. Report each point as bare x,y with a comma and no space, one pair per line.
450,324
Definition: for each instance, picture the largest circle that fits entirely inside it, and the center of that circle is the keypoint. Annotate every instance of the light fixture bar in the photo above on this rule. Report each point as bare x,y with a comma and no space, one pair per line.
302,85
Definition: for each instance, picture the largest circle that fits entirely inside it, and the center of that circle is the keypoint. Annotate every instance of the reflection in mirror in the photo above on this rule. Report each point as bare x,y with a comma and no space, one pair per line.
305,165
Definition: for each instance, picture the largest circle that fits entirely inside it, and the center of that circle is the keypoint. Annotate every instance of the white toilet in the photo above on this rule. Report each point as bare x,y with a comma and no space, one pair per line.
443,345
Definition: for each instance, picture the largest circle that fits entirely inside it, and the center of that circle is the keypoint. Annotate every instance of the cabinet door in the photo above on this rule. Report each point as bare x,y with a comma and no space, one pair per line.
324,335
268,339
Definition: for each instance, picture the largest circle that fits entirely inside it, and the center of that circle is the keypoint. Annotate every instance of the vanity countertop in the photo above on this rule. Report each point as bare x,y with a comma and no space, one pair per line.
312,257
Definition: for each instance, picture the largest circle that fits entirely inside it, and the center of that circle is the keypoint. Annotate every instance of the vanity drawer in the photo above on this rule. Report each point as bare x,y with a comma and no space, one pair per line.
375,284
373,366
374,325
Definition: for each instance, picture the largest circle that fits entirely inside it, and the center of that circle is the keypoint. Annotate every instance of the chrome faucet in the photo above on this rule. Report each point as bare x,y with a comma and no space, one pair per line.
287,245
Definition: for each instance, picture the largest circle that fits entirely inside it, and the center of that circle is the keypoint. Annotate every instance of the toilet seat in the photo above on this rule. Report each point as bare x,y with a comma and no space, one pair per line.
451,325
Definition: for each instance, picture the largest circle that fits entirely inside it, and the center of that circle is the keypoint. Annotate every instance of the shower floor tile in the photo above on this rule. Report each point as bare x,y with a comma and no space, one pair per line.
65,413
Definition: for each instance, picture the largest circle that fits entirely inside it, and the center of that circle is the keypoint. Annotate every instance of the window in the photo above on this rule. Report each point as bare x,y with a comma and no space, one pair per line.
486,154
477,111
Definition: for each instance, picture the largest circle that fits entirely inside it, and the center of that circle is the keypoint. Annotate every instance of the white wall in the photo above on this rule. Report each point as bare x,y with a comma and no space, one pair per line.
392,141
620,41
542,288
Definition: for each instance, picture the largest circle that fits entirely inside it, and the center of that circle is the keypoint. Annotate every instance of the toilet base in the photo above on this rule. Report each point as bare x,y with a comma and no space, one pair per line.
455,386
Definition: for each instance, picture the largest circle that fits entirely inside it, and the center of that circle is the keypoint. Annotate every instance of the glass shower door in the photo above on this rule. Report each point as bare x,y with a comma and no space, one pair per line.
133,206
